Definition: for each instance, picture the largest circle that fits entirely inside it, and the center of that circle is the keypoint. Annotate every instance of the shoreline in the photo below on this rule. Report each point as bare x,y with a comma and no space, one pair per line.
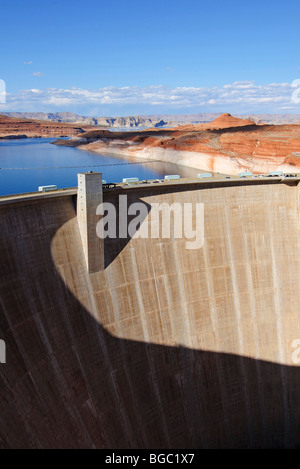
24,136
216,163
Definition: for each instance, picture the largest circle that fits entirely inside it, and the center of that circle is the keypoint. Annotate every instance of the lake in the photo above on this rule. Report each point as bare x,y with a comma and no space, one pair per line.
28,163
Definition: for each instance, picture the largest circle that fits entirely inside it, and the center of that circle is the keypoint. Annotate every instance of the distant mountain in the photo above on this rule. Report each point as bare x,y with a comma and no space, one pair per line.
275,119
158,120
108,122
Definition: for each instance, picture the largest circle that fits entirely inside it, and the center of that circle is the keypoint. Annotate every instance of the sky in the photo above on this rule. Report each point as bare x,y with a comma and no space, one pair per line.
118,58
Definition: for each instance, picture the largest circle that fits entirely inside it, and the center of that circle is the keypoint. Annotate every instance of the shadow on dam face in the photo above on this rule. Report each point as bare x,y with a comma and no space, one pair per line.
165,348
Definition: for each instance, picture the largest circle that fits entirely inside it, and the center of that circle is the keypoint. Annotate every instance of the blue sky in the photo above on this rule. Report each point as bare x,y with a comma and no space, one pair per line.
134,57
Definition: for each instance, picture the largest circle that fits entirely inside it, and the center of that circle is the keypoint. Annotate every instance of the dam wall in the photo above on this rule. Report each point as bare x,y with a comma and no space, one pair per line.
164,348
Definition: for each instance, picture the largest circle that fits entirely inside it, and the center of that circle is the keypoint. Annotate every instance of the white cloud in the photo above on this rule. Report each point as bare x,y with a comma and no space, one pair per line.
59,100
28,63
235,97
37,74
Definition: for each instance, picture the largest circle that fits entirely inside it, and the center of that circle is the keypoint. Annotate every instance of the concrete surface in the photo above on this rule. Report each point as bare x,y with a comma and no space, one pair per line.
90,195
165,348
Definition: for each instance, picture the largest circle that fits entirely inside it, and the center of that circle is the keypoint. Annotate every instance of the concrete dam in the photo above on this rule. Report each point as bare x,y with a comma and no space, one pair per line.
154,346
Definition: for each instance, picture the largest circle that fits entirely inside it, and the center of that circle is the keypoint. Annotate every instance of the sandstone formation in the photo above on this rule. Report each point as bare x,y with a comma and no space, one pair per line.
223,121
226,145
12,127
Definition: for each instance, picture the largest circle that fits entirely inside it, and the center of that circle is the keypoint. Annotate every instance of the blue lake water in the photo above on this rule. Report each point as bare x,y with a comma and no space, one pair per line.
29,163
